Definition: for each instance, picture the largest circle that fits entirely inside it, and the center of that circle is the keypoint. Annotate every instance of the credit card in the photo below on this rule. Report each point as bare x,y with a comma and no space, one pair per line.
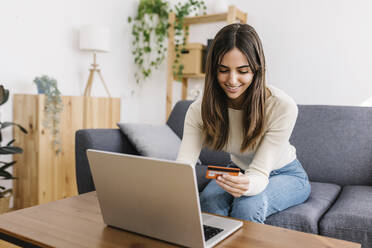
214,171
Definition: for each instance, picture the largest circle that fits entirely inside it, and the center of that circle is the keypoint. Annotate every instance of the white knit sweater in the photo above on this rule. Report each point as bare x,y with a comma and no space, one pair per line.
273,151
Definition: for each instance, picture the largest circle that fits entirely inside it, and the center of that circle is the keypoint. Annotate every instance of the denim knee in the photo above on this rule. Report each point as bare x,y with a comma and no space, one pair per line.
215,200
251,208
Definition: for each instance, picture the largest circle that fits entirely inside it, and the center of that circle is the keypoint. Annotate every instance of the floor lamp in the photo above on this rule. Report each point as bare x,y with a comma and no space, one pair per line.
94,38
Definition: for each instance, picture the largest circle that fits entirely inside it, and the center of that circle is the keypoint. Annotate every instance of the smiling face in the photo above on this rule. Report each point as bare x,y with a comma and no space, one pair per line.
234,76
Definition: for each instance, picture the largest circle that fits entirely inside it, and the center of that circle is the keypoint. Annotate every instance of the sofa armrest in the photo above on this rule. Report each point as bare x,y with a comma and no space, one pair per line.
112,140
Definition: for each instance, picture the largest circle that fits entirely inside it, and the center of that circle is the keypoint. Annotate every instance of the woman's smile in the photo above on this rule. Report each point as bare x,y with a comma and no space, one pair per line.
233,89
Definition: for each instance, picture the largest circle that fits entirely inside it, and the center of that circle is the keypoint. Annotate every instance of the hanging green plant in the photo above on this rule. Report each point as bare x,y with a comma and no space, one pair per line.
53,107
150,33
150,26
191,7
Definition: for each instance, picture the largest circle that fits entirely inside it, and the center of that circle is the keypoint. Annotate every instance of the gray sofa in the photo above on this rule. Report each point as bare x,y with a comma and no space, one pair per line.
334,144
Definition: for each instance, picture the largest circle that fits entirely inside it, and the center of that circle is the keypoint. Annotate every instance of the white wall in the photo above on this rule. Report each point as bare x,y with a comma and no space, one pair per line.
318,51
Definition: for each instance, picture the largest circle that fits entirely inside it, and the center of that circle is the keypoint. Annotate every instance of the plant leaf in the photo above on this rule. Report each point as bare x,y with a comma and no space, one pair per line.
10,142
7,165
10,178
10,150
8,124
4,96
6,175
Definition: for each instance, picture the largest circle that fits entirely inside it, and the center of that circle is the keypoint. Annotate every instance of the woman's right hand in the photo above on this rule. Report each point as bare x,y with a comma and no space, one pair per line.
235,185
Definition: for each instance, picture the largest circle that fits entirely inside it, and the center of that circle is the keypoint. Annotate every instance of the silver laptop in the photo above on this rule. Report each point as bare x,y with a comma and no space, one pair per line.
154,197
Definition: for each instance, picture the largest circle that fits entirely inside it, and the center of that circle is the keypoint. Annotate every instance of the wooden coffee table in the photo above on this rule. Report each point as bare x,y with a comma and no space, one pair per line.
77,222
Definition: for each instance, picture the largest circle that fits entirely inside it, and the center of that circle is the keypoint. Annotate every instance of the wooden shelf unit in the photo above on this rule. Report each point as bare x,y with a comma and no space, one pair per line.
233,15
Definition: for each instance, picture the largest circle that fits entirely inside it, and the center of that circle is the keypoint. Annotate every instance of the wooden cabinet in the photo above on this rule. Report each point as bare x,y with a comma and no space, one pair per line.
43,175
233,14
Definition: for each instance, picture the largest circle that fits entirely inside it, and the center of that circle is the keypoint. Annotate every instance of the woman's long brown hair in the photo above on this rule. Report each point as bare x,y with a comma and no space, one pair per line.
214,108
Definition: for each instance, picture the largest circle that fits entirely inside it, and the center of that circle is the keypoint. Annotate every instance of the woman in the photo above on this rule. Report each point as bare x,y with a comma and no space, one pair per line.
252,121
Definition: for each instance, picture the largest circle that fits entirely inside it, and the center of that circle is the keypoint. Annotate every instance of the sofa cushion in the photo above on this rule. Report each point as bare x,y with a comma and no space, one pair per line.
328,138
176,118
100,139
157,141
350,218
305,217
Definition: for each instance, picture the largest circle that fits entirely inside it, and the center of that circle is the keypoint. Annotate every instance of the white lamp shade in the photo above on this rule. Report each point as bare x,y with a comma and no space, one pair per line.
95,38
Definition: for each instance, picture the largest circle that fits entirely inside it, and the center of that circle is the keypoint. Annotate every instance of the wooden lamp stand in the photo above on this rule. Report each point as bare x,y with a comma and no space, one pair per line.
91,76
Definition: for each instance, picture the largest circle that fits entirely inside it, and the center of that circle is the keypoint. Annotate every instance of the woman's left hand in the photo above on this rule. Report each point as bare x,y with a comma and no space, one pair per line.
235,185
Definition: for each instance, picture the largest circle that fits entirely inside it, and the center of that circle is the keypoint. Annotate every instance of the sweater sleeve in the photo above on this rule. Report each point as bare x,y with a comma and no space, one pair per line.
280,128
191,144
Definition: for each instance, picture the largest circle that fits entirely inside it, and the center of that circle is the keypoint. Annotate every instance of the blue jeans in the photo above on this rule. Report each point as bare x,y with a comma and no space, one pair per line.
287,187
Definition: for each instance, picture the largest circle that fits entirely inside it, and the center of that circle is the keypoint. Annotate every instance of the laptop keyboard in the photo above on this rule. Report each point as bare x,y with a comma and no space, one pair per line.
210,231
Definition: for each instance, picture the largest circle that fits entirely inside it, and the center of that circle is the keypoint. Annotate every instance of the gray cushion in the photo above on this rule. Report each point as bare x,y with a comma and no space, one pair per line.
157,141
332,141
176,119
305,217
350,218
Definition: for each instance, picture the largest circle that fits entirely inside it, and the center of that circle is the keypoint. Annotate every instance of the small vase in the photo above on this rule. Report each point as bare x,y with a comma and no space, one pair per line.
40,90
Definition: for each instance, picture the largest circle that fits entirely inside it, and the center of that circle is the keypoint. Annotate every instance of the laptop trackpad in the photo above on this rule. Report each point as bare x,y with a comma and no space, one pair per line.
217,221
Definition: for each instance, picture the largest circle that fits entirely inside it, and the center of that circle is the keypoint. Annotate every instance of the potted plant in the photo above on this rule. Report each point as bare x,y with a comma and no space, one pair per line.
53,107
8,149
150,26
